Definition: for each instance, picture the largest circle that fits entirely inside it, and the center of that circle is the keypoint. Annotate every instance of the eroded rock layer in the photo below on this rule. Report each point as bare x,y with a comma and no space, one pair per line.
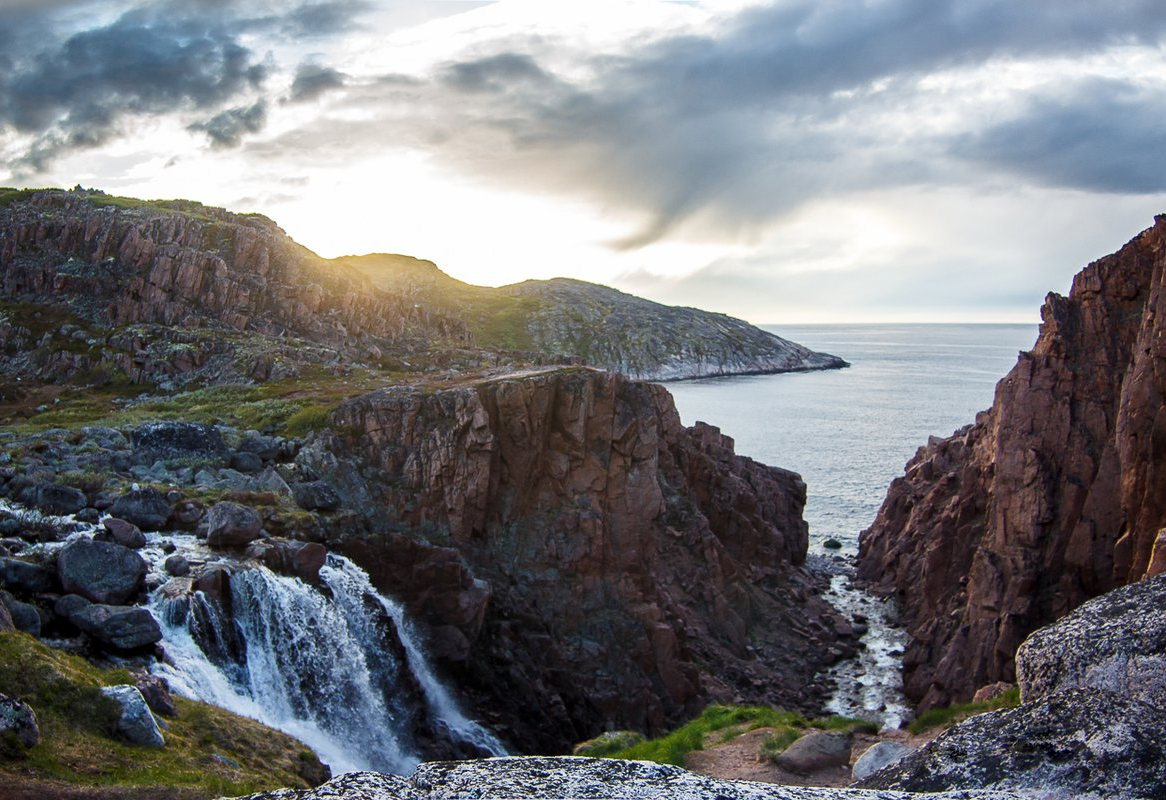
1055,495
579,557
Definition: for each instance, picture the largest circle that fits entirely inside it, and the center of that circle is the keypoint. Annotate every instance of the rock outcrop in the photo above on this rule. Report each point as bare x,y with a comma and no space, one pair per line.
1115,643
1081,743
582,558
570,319
1055,495
595,778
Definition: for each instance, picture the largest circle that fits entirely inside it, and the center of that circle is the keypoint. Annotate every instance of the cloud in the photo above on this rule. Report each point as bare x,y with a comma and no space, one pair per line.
1096,135
314,80
226,129
719,133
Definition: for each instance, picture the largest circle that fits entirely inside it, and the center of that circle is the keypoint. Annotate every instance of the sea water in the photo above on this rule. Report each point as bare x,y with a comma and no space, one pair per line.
849,433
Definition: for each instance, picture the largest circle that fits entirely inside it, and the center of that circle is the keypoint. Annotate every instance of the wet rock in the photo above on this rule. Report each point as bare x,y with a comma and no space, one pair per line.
832,544
816,751
177,565
24,576
124,533
53,498
103,572
121,627
316,496
302,560
146,507
877,756
18,721
178,440
136,723
232,525
1116,642
1081,743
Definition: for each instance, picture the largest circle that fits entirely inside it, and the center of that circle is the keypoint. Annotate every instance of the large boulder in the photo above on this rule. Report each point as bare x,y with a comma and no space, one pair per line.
124,533
1080,743
169,441
232,525
878,756
53,498
24,576
18,721
1116,642
136,723
815,751
119,627
103,572
147,508
24,615
315,496
302,560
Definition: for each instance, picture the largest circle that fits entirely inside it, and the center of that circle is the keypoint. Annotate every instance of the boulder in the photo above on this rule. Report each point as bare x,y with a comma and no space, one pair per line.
124,533
266,447
136,723
298,559
232,525
18,721
816,751
177,565
156,692
316,496
169,441
246,462
120,627
25,617
146,507
24,576
188,513
1116,642
1077,743
53,498
879,755
103,572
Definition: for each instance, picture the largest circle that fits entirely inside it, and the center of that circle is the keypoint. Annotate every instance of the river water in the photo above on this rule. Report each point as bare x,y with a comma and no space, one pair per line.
849,433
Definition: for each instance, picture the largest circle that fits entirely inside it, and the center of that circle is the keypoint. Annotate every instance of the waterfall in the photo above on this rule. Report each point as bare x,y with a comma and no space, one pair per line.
338,667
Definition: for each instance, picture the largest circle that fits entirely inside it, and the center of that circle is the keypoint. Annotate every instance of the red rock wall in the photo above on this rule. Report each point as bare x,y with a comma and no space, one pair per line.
1055,495
200,266
636,569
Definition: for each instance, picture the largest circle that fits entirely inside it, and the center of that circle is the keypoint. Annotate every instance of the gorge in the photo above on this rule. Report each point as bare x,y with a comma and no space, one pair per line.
348,509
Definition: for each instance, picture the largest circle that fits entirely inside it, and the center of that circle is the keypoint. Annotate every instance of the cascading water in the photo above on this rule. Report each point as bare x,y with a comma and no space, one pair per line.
337,667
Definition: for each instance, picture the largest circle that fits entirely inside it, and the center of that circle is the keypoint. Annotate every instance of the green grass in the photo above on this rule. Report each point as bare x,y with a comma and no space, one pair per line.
730,722
78,746
949,715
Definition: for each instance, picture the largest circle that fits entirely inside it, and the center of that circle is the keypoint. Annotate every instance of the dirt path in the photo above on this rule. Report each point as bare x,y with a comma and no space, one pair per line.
737,759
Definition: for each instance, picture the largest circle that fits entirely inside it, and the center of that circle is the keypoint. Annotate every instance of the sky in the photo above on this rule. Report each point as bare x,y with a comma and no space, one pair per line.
796,161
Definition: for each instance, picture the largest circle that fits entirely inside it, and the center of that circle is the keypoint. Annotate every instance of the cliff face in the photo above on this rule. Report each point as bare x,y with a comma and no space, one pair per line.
118,262
579,556
1054,495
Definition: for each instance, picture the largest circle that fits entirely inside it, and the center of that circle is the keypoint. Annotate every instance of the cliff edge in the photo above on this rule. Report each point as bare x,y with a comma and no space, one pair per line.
1053,496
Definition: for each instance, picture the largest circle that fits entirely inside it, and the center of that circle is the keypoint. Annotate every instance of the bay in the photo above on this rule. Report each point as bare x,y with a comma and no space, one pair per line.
850,432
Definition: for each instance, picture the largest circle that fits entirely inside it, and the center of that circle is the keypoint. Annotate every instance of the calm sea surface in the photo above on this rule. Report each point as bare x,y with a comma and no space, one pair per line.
849,432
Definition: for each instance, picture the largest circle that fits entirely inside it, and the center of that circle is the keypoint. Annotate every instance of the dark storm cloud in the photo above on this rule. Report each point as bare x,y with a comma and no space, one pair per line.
313,80
81,88
227,128
1098,135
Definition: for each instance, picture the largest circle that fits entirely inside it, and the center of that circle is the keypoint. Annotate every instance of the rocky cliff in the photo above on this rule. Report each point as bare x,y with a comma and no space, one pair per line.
1055,495
598,325
580,558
